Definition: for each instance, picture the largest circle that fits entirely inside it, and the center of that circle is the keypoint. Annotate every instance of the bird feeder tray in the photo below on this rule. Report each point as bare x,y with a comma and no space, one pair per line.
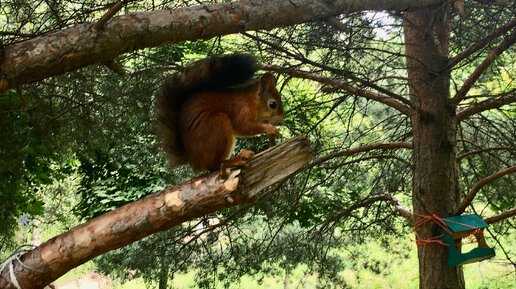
460,227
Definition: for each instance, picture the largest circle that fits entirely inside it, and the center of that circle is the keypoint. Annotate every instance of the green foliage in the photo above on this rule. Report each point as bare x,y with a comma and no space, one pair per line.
27,161
108,183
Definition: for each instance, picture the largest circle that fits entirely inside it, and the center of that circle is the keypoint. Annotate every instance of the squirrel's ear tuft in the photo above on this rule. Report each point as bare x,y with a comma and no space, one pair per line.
268,79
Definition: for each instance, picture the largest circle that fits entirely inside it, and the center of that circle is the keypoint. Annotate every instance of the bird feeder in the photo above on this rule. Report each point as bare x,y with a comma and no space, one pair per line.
461,227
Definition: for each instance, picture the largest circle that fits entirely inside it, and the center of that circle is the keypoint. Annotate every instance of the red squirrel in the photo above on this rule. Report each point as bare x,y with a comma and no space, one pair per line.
202,109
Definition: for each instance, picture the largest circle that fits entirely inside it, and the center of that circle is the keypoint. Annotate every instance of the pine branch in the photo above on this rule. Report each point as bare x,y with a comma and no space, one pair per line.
471,195
485,150
405,162
481,43
115,67
340,85
500,217
493,54
336,71
365,148
487,104
406,213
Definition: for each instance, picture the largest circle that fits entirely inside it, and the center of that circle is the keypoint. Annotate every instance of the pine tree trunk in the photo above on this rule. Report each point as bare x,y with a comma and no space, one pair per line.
286,282
434,124
163,273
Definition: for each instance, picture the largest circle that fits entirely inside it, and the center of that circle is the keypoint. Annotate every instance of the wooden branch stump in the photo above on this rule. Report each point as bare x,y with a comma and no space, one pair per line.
154,213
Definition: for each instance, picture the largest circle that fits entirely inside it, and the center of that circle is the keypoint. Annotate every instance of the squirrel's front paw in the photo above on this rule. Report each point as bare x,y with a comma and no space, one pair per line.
271,130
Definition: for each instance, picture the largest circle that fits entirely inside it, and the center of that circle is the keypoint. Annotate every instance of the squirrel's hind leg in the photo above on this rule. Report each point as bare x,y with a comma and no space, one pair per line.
210,143
238,161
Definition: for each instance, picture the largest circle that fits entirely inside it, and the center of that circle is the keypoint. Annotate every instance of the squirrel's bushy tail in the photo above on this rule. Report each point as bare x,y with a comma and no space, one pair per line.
211,73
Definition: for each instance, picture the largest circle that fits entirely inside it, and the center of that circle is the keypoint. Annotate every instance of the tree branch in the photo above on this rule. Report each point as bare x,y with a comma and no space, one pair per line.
480,44
502,3
348,152
109,14
115,67
406,213
471,195
405,162
337,84
485,105
502,216
485,150
340,72
78,46
493,54
156,212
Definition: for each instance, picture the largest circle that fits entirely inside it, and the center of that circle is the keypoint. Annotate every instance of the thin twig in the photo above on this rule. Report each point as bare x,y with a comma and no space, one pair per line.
115,67
408,164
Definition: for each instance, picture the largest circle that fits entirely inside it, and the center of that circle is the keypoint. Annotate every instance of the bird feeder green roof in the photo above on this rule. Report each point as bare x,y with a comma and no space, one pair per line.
460,227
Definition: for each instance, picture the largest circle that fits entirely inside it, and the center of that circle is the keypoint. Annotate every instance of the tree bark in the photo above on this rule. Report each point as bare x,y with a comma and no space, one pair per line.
81,45
156,212
435,180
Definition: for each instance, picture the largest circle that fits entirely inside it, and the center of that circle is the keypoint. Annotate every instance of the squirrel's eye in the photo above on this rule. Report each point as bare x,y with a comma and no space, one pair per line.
272,104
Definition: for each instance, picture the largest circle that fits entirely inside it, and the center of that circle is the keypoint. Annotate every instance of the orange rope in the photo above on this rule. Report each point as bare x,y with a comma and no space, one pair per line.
425,219
441,222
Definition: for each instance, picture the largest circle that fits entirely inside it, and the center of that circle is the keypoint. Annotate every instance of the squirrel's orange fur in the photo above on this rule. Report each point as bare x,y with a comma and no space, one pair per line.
203,109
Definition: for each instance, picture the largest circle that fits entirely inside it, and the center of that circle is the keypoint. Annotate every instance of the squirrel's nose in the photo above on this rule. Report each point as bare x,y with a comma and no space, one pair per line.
279,121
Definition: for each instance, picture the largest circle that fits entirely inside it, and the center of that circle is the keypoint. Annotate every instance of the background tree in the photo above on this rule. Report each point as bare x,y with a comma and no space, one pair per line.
416,104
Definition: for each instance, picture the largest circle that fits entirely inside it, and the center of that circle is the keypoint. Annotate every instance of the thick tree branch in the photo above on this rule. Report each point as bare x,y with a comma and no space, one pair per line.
493,54
471,195
78,46
502,216
156,212
365,148
487,104
337,84
480,44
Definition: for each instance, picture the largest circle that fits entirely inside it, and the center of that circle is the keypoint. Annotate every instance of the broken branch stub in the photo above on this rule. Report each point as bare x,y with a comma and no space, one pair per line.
275,164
